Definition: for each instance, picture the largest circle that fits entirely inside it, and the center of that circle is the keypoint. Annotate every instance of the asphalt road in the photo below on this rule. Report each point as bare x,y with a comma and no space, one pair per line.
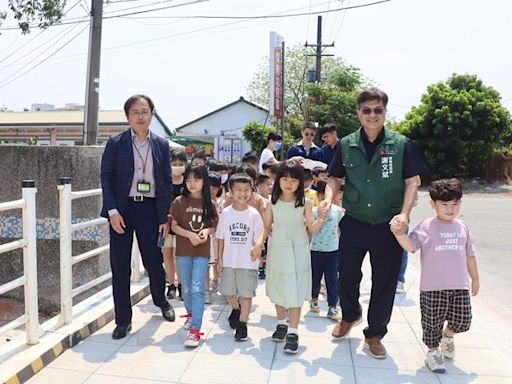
489,219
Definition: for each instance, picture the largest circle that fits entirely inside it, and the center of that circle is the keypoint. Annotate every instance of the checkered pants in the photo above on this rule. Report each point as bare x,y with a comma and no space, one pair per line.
452,305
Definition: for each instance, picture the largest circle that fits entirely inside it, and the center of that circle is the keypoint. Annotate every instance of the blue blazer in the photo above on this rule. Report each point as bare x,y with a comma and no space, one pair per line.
117,167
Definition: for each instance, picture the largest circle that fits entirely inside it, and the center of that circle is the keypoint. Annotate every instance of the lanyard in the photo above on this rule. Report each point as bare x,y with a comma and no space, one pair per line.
144,161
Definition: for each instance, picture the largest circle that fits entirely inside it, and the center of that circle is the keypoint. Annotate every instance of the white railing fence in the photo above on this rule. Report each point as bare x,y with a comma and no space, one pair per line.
29,279
67,260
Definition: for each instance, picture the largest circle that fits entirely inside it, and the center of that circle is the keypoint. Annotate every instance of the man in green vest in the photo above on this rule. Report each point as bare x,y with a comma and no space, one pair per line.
382,172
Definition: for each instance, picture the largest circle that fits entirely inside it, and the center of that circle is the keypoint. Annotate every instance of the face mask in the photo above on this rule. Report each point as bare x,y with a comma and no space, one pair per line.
277,146
223,179
178,170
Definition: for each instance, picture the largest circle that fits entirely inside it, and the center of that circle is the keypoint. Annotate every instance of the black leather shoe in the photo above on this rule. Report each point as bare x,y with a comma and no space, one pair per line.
121,331
168,313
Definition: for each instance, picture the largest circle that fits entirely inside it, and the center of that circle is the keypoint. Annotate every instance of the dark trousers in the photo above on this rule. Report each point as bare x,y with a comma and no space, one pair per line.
325,264
356,239
140,217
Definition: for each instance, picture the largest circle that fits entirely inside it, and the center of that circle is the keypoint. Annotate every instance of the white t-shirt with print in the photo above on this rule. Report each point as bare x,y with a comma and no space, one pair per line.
240,230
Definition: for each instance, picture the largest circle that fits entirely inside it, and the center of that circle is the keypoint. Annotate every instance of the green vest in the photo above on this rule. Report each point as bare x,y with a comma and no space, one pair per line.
374,191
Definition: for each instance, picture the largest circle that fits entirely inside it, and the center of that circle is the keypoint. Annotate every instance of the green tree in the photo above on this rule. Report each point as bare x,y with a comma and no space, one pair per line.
256,134
338,90
458,126
43,13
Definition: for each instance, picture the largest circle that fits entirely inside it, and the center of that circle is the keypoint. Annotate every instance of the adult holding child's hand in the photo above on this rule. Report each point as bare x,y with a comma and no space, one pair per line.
382,172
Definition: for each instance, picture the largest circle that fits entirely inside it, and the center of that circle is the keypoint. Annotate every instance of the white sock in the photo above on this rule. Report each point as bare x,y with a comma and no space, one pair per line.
293,330
282,322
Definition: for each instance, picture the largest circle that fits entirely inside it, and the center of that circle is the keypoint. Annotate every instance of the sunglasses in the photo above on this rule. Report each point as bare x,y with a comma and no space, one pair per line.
376,110
309,134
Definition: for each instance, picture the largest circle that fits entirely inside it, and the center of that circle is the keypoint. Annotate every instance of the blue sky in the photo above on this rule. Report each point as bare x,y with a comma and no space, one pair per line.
193,66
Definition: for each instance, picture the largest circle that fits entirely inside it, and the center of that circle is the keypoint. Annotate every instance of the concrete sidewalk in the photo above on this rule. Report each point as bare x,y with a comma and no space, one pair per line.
154,353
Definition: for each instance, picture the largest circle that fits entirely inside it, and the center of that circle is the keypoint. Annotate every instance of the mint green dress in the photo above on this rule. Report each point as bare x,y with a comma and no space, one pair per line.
288,282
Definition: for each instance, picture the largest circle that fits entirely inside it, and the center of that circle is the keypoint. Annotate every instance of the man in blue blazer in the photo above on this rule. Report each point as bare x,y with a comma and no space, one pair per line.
136,183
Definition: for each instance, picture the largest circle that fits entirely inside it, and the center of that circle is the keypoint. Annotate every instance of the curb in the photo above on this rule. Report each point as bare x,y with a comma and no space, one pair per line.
69,341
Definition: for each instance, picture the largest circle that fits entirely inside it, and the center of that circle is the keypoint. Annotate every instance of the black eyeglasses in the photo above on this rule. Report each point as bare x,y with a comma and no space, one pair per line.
376,110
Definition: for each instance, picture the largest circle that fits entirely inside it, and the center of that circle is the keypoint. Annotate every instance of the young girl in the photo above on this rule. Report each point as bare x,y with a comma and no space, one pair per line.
193,219
289,266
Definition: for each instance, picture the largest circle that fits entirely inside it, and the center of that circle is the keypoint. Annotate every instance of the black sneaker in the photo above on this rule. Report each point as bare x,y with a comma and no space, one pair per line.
234,318
241,331
280,333
292,343
171,291
261,274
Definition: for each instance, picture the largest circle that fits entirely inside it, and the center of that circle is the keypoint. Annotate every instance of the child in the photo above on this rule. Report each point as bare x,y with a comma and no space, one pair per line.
178,161
264,186
308,191
255,201
447,257
319,173
240,225
193,219
289,267
214,182
324,257
270,170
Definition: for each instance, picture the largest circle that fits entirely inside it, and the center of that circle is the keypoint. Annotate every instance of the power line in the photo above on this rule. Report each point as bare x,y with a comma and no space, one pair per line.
218,17
3,84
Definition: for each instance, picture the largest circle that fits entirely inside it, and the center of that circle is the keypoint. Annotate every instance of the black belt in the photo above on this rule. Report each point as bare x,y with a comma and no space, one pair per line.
140,199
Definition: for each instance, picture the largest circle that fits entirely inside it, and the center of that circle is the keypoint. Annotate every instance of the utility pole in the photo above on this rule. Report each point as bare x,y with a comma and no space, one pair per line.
93,75
318,48
281,153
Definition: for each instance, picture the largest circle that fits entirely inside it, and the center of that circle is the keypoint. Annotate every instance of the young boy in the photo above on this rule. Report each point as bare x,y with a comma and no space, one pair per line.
264,186
324,257
447,257
309,192
319,173
240,226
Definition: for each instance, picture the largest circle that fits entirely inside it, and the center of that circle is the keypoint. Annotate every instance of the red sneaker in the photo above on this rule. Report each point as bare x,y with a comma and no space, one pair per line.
193,338
188,320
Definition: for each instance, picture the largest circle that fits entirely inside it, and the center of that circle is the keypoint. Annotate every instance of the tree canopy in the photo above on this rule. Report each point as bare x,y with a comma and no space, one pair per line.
43,13
338,89
458,126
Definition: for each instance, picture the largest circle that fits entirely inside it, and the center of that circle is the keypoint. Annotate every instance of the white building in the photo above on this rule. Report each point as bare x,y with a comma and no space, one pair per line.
219,133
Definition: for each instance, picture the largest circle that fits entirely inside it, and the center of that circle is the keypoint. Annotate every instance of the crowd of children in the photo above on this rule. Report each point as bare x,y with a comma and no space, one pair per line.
231,226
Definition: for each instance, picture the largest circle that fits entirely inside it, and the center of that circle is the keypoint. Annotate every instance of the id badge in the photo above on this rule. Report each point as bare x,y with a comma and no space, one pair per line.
143,186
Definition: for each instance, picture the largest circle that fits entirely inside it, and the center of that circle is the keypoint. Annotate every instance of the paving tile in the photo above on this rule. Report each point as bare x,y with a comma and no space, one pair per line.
54,375
401,356
304,371
150,363
217,369
108,379
87,356
365,375
485,362
473,379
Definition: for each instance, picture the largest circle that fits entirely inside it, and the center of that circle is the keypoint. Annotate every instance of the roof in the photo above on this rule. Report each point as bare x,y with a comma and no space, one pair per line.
39,118
58,117
240,100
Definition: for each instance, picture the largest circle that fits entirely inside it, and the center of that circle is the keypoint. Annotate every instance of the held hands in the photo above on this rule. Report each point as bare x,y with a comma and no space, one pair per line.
323,208
219,266
399,224
117,223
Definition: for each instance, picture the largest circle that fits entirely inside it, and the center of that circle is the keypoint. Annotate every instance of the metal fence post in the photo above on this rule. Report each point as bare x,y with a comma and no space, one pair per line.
66,270
30,260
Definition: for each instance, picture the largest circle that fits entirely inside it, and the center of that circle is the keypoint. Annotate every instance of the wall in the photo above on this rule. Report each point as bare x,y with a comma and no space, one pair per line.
45,165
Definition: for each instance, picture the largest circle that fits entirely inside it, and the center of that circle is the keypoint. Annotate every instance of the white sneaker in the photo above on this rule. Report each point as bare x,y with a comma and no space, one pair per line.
434,361
193,338
400,287
447,347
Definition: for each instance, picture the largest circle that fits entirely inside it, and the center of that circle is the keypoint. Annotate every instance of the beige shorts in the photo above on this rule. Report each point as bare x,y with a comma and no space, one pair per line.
238,282
170,241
